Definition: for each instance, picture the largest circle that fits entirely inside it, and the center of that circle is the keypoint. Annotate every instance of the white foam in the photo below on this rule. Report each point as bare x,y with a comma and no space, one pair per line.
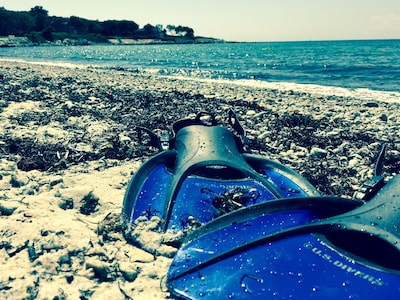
47,63
358,93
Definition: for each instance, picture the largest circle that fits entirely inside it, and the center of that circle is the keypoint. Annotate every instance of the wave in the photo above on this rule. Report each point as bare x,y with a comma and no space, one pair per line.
47,63
314,89
224,78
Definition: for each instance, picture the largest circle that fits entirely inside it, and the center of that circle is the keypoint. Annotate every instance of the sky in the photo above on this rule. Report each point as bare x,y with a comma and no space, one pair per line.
242,20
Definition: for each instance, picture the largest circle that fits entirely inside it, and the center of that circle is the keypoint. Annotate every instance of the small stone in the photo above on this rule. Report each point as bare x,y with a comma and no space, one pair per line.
66,203
124,139
333,133
17,182
138,255
352,163
56,180
101,270
341,147
250,113
371,104
363,151
65,259
384,117
167,251
263,135
28,214
318,152
16,248
7,208
93,99
395,154
129,271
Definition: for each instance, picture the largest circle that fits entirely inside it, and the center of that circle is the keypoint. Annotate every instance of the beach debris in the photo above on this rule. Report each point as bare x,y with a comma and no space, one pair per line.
32,290
15,183
32,254
86,294
383,117
89,204
4,286
31,163
66,203
371,104
65,259
110,228
7,208
317,152
102,270
129,271
147,235
55,180
13,249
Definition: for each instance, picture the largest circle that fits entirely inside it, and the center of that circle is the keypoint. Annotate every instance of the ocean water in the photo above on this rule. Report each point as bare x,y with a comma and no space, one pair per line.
368,70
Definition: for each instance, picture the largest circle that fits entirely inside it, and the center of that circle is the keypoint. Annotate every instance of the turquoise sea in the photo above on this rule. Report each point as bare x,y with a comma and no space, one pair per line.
367,69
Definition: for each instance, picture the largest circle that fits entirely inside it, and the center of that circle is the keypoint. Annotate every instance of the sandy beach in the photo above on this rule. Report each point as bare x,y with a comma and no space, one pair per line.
68,149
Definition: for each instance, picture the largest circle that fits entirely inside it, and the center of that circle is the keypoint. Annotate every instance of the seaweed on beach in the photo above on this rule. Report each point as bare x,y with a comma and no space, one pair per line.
74,103
89,204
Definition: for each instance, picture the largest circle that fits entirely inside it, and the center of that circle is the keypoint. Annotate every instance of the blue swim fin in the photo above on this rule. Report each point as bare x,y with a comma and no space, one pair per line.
312,248
205,171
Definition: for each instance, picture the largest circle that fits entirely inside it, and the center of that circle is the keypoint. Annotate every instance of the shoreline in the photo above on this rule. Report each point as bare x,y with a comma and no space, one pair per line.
20,41
63,139
364,94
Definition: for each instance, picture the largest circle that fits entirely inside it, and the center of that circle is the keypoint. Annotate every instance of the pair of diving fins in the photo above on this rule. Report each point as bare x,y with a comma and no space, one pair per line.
262,230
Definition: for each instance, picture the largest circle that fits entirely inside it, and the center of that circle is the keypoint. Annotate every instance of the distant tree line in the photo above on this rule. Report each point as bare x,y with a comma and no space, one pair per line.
39,27
181,30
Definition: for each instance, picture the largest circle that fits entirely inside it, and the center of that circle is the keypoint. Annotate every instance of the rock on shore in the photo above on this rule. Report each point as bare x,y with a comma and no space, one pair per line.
68,149
14,41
